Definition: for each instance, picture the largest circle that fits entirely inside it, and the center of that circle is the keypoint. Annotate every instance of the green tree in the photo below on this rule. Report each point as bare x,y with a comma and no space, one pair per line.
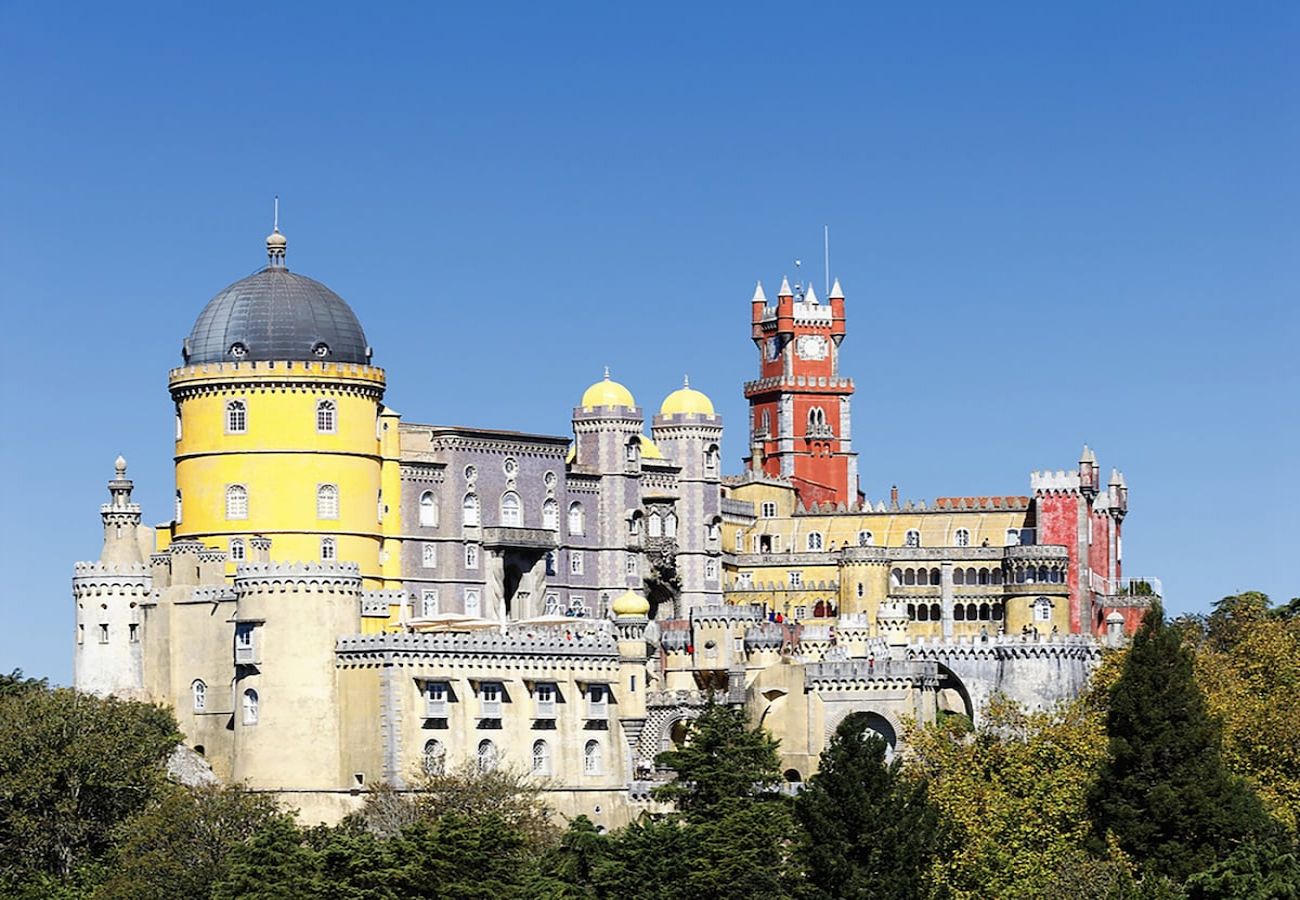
1164,792
181,844
869,830
1257,870
723,760
72,768
17,683
273,864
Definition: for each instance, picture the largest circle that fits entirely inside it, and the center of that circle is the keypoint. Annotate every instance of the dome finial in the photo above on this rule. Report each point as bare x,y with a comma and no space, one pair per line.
607,373
275,241
119,467
686,381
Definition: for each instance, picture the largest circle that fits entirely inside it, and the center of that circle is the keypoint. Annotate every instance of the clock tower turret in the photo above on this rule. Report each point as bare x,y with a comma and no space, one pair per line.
800,425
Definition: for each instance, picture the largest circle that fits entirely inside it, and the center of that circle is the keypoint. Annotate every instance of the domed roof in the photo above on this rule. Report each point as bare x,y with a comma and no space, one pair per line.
607,393
276,315
630,604
686,400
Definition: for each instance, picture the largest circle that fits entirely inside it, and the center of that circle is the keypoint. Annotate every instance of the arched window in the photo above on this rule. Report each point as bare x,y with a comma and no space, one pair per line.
429,556
328,550
912,538
633,452
896,577
1042,610
236,417
909,577
250,707
237,550
767,422
670,525
655,525
541,758
959,613
487,756
550,514
1013,537
711,460
511,517
429,603
470,509
972,612
936,612
593,761
179,508
958,575
327,501
236,501
815,540
866,539
577,521
199,691
923,613
325,421
428,510
962,537
713,531
435,757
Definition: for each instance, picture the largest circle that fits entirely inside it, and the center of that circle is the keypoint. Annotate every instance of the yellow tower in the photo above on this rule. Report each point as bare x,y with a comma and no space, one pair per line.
278,425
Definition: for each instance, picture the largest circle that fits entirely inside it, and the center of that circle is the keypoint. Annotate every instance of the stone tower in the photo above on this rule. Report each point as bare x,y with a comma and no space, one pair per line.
800,422
109,594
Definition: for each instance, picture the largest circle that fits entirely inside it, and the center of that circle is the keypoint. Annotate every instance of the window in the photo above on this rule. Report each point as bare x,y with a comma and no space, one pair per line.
551,606
575,562
103,634
199,691
597,701
380,508
593,762
769,509
1042,610
428,510
489,700
236,549
327,501
711,570
510,466
236,501
814,540
862,590
472,604
655,525
250,705
550,562
435,699
1013,537
551,515
429,556
796,579
912,538
429,603
577,520
133,633
179,510
470,509
634,525
745,580
325,421
244,642
632,568
435,758
236,417
670,525
962,537
471,556
487,756
740,541
711,461
81,634
866,539
541,758
178,423
544,696
328,550
510,513
633,452
713,531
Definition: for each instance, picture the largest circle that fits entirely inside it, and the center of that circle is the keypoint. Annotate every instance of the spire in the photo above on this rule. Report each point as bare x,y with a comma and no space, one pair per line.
785,288
686,381
759,296
275,241
837,292
1116,479
1087,456
810,296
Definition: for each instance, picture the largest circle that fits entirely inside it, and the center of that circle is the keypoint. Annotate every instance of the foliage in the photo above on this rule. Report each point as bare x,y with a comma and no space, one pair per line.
182,842
868,829
1247,661
16,683
723,760
1015,792
1164,792
72,768
1259,870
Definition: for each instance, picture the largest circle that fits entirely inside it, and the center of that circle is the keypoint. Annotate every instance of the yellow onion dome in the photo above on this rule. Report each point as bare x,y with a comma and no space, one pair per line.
630,604
686,400
607,393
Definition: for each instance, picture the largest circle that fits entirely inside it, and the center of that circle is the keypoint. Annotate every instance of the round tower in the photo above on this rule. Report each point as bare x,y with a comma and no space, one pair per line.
277,424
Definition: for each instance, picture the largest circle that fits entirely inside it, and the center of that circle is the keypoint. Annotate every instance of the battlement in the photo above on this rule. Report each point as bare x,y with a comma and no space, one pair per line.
264,577
270,569
863,672
1006,646
477,645
376,603
1060,480
255,369
828,383
725,613
213,593
973,503
100,569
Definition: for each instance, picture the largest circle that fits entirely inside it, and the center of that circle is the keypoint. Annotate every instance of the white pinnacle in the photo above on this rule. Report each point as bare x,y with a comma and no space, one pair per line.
785,288
837,292
810,296
759,296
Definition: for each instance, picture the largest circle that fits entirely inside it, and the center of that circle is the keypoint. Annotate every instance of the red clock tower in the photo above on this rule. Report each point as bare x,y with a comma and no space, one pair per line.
800,426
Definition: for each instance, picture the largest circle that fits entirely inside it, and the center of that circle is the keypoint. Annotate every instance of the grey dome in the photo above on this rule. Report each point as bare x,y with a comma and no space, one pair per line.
276,315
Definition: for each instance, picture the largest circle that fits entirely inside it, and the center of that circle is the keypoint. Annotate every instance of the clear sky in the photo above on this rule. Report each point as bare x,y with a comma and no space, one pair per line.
1053,226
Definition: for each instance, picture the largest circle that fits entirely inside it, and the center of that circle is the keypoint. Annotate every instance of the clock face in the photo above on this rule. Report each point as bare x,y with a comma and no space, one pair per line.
811,346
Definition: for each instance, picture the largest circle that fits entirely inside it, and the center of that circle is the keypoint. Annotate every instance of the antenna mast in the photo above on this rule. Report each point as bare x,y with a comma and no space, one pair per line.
276,222
826,243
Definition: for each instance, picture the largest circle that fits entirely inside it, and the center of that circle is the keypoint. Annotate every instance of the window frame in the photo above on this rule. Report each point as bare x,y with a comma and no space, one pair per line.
236,406
326,416
328,502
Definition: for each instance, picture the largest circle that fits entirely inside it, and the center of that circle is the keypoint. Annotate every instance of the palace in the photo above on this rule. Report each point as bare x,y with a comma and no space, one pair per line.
343,598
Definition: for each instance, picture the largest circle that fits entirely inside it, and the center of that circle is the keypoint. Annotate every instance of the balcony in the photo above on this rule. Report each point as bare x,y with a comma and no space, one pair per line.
1143,588
508,536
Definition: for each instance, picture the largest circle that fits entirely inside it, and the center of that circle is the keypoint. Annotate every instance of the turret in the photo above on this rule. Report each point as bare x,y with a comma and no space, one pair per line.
1088,473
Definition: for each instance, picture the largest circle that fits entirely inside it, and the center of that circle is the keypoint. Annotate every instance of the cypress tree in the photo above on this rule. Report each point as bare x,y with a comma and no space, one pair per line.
1164,792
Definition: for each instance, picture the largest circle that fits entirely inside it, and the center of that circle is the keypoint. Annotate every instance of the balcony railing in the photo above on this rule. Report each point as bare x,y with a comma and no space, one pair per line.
1144,586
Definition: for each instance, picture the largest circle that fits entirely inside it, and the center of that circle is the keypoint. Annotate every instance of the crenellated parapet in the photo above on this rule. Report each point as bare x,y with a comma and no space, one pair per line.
1059,481
273,577
96,579
375,604
725,614
876,674
597,648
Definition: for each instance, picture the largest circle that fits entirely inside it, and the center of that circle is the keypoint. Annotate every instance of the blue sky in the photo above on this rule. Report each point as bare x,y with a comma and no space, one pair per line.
1053,224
